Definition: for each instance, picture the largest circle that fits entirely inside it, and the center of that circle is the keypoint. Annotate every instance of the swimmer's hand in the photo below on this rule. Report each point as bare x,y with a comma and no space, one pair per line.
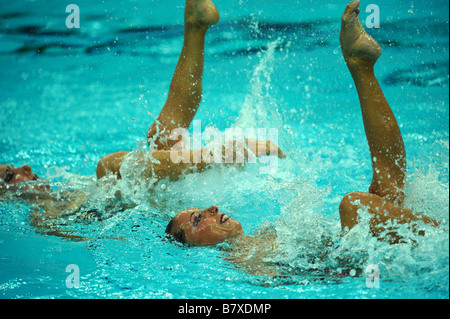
253,148
264,148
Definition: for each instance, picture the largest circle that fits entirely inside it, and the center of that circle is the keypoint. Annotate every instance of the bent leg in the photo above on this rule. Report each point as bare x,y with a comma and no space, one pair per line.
382,213
185,91
386,145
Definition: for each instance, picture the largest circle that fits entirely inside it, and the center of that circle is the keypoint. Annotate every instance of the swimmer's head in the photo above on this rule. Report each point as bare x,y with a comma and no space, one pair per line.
12,176
203,227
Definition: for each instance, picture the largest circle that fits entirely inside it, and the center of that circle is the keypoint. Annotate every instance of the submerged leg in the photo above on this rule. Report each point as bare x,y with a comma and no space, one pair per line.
383,134
185,91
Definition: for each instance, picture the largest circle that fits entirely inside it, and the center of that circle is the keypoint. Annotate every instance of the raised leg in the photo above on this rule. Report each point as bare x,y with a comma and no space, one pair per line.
185,91
386,193
382,131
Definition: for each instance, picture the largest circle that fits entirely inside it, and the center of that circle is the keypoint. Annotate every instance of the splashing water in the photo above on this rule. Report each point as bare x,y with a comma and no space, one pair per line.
259,108
304,215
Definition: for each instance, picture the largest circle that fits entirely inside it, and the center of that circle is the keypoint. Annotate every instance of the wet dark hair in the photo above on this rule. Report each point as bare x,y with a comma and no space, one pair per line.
3,184
179,234
3,188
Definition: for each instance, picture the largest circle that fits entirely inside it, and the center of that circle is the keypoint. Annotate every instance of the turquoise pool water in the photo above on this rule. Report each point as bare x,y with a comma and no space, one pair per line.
70,96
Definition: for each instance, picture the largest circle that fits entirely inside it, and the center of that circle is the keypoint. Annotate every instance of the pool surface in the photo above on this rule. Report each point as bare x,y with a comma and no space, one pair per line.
70,96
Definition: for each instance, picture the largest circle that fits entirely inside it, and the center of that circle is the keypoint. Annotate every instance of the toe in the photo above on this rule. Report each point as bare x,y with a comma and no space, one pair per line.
351,11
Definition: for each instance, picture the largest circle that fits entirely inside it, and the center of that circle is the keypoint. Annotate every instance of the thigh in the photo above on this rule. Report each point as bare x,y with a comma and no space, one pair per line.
389,180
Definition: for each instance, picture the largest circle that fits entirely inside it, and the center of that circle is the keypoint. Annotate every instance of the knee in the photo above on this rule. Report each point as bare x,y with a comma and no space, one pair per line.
348,210
159,135
393,192
101,170
110,163
349,200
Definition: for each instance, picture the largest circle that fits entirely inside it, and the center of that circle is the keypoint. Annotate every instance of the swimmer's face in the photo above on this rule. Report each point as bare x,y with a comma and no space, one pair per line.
14,176
206,227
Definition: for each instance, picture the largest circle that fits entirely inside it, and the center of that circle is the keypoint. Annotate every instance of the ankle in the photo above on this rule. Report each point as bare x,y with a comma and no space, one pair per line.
359,65
192,25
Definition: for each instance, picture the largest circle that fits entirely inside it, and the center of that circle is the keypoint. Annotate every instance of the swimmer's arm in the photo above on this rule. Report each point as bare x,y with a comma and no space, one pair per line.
167,164
47,229
172,164
50,208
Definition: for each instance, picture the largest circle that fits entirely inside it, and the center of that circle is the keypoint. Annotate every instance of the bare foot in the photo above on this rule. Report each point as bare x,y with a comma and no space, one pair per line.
201,13
357,46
